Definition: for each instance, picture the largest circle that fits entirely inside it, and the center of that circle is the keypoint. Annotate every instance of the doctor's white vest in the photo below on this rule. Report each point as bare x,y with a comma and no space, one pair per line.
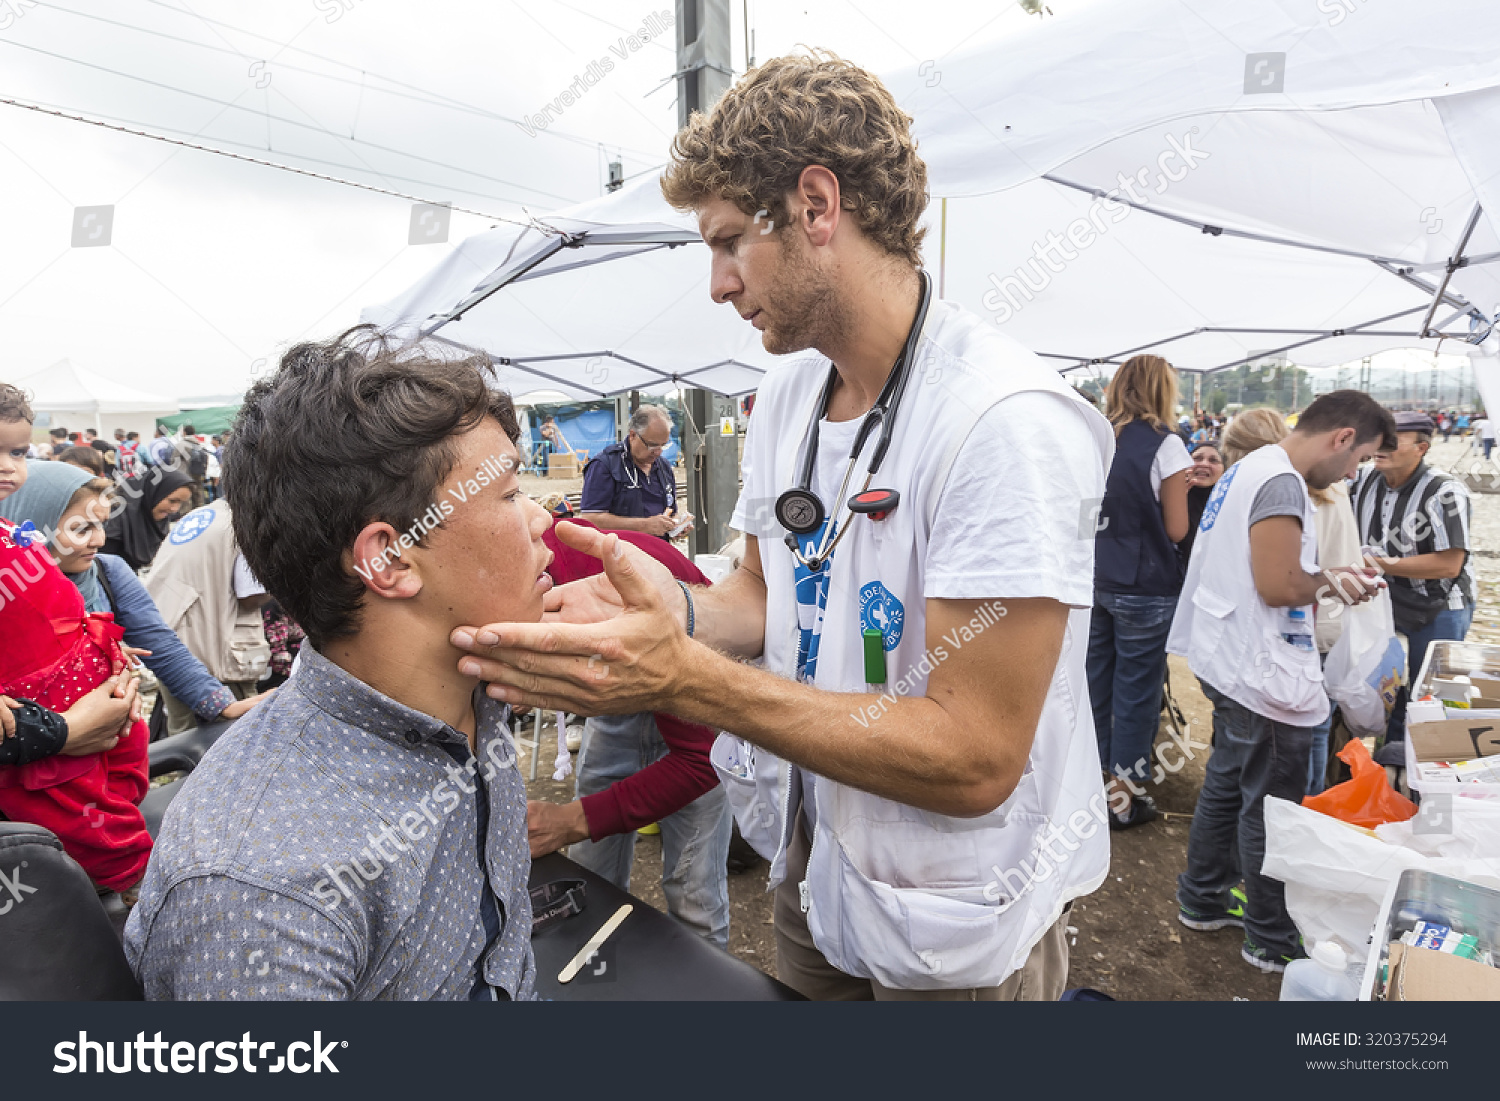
1230,636
907,897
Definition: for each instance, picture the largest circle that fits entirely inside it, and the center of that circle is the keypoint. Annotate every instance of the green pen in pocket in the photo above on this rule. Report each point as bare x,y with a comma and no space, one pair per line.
874,657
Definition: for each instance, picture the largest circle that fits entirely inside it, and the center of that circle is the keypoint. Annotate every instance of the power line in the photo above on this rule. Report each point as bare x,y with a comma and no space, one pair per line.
68,112
284,121
268,164
427,96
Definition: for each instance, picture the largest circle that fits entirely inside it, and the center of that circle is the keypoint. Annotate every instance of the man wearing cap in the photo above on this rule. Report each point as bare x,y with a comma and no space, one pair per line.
1416,520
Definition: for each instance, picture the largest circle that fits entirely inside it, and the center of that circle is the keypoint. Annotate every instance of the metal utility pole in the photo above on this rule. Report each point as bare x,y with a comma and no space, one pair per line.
712,459
703,62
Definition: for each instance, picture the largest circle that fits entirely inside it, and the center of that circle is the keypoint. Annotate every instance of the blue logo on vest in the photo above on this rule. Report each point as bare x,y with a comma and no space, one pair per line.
191,526
879,608
1216,501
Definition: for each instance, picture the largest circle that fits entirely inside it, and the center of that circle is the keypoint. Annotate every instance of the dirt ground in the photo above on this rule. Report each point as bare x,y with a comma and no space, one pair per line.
1128,942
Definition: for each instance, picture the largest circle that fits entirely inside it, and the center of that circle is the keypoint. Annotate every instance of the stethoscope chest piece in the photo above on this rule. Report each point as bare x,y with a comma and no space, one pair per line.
875,503
799,511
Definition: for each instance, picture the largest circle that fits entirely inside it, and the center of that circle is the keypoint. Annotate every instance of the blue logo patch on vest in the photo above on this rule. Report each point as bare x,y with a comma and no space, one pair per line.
1216,500
191,526
879,608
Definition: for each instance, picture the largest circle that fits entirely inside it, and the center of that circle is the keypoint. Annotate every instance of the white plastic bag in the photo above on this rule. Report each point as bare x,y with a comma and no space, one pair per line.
1366,665
1336,875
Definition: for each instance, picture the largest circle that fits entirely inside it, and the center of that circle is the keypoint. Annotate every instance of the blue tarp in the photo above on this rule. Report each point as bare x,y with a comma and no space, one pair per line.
590,428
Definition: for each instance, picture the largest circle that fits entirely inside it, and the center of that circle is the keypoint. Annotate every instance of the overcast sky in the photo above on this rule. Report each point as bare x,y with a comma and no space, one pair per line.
214,264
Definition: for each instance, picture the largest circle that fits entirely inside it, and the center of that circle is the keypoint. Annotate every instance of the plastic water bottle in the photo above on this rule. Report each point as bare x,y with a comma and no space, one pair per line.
1323,977
1296,630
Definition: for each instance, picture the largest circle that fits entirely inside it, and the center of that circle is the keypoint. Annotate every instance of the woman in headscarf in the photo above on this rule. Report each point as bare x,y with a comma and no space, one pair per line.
143,515
68,506
55,656
1203,475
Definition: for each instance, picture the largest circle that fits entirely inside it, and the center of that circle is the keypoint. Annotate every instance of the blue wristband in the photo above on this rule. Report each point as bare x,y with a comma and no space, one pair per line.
688,595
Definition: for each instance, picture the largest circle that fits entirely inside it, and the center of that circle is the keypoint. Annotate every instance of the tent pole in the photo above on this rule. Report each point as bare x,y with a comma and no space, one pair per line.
943,250
1453,265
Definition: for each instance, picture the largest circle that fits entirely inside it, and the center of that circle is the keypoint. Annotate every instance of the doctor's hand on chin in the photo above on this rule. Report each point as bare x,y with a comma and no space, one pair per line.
613,643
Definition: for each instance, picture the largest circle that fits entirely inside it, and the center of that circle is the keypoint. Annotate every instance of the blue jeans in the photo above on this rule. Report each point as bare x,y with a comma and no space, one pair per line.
1317,760
1126,664
694,840
1253,757
1451,623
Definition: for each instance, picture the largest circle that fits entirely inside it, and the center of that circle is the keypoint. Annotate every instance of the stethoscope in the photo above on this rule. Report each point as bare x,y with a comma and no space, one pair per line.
799,509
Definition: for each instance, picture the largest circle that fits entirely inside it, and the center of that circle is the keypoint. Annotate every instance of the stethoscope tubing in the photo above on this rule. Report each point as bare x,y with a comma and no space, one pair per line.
883,412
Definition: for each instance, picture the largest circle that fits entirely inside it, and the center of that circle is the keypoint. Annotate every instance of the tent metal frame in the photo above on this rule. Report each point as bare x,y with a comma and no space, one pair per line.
527,364
1407,272
650,239
558,239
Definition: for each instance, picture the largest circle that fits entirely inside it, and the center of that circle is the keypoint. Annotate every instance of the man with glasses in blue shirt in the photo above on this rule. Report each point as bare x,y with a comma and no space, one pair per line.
627,487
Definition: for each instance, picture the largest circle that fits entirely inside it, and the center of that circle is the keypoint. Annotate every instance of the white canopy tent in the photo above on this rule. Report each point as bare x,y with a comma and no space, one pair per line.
642,321
1303,179
67,391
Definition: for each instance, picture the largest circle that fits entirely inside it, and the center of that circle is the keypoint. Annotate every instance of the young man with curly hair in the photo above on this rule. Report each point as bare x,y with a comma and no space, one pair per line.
362,835
917,758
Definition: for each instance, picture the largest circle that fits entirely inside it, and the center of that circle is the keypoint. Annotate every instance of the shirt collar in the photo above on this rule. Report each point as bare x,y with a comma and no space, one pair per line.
353,702
1415,474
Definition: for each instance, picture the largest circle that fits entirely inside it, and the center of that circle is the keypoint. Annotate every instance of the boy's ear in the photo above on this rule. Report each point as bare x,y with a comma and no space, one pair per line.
378,557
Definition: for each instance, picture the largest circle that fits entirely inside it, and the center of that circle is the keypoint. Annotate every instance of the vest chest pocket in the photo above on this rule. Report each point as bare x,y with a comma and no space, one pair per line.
1211,621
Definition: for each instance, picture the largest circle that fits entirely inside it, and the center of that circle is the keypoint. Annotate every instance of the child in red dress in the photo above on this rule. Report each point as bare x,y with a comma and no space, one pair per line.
54,653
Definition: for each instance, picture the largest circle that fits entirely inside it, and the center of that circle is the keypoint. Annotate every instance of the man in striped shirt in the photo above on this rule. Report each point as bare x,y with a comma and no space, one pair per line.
1416,520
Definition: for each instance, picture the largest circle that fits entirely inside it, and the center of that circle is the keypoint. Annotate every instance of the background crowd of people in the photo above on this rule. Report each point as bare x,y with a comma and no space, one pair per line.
187,608
1395,522
82,522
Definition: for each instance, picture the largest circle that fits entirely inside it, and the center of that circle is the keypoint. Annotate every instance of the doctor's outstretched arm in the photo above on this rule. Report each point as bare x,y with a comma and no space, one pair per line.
959,750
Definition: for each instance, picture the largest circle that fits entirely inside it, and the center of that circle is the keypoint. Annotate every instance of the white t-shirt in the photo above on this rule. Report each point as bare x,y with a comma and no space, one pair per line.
1485,429
1028,548
1171,457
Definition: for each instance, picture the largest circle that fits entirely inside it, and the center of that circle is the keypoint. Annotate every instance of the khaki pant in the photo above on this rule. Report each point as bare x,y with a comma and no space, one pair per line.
801,966
180,717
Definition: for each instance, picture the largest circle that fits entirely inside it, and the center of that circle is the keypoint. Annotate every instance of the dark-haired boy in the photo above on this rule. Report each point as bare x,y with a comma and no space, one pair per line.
1244,622
363,834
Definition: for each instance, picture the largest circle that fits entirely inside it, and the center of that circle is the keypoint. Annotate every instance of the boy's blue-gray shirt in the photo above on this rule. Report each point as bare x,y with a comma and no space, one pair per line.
327,848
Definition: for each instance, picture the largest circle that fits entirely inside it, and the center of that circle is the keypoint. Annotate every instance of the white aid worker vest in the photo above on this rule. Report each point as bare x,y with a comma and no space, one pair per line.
907,897
1230,636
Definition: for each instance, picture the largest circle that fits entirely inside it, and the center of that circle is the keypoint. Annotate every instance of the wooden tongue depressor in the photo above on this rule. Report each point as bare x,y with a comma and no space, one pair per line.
575,965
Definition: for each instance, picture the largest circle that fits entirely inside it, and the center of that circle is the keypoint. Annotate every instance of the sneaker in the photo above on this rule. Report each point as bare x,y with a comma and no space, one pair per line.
1269,962
1207,922
1142,810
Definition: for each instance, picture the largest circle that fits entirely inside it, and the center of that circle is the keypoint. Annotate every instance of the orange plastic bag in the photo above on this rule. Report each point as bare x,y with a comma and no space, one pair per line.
1366,799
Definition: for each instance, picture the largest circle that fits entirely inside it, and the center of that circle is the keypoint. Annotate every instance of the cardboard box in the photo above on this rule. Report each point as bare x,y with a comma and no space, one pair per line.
560,465
1454,739
1425,975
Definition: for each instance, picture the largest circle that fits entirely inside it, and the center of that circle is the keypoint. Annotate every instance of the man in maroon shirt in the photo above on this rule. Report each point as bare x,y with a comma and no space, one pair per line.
637,769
